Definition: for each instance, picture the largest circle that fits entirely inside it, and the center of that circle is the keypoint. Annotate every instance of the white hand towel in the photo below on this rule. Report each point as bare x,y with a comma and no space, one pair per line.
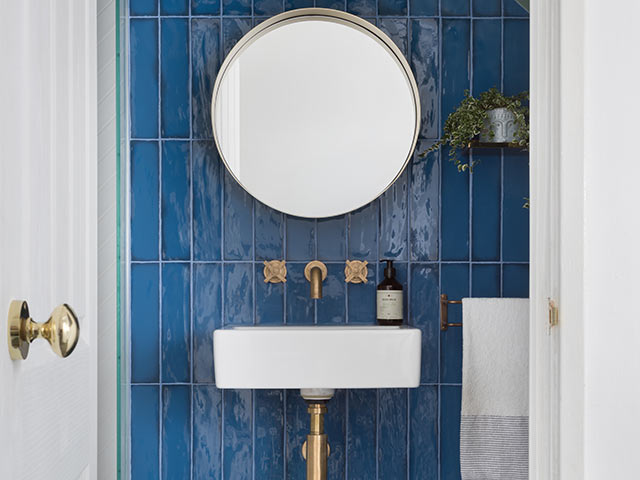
494,430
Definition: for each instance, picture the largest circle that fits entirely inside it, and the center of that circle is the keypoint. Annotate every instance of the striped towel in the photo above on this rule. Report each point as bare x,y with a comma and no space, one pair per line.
494,427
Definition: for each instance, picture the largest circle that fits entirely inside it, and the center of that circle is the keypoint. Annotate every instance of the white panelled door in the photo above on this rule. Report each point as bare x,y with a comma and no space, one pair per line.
48,233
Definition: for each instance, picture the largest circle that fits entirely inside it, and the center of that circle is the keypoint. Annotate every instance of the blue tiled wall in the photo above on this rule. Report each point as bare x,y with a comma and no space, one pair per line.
198,242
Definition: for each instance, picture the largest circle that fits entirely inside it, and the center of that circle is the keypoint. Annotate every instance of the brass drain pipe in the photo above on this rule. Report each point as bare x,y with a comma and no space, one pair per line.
315,449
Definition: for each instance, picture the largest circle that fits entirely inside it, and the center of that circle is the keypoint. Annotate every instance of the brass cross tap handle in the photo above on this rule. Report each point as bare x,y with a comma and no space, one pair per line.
61,330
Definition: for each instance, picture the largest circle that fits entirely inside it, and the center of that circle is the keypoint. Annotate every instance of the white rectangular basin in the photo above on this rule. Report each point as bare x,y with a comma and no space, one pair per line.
316,357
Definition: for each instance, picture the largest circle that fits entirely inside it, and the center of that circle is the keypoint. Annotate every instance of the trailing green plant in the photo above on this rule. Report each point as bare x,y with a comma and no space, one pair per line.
468,121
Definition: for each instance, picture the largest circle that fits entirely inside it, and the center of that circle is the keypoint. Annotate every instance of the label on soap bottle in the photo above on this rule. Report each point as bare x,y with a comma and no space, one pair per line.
389,304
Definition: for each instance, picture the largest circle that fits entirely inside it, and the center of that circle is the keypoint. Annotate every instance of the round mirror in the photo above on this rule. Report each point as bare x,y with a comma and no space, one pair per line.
315,112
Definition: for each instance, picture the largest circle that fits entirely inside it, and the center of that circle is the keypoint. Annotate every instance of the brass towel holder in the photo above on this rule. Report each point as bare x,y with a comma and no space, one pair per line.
444,312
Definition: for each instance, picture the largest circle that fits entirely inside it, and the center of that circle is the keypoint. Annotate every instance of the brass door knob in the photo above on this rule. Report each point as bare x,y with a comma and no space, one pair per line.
62,330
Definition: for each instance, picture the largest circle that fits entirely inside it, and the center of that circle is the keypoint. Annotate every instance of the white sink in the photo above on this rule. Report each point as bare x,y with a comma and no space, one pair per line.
317,357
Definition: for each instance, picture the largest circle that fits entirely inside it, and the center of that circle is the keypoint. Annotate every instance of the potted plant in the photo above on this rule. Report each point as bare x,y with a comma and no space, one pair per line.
491,118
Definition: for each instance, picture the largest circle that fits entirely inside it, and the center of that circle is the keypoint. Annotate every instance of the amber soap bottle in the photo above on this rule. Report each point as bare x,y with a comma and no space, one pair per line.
389,297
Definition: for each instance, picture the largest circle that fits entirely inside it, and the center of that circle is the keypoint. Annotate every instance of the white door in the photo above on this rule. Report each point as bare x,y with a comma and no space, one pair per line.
48,234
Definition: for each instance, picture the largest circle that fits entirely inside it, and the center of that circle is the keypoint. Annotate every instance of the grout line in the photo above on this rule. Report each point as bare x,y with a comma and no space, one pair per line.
160,248
192,253
500,242
328,262
440,171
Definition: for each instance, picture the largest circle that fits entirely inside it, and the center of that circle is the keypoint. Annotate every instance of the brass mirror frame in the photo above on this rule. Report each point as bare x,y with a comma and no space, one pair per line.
328,14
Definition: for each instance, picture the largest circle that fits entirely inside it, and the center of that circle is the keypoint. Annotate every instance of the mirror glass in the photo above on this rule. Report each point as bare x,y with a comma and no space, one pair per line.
315,112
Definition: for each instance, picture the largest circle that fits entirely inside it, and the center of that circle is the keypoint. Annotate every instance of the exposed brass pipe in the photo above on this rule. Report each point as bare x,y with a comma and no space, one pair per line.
316,449
315,272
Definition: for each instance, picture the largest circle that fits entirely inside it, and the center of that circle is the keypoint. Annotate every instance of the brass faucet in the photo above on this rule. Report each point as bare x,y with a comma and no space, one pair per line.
315,449
315,272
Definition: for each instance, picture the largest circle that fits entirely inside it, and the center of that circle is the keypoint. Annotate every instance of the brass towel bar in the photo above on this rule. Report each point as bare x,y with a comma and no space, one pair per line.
444,312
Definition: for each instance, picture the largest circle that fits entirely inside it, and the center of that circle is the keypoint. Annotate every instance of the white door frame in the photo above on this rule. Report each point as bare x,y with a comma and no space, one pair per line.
557,186
107,113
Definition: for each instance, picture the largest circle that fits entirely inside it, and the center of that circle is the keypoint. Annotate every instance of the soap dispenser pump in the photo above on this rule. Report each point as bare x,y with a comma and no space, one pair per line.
389,297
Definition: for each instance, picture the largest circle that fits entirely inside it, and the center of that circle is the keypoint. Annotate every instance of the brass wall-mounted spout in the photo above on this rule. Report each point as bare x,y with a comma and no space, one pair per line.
315,272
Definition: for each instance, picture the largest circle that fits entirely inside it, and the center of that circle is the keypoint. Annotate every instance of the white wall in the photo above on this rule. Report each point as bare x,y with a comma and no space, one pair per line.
611,238
585,246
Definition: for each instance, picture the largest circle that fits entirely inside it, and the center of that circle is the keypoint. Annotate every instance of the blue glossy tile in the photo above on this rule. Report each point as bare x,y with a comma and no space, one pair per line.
516,56
237,436
487,8
297,427
267,7
397,30
393,220
515,219
454,208
332,241
238,221
455,185
515,281
455,284
398,438
207,316
331,308
269,435
335,427
269,300
424,63
176,325
205,61
294,4
361,433
424,196
236,7
455,64
362,7
207,201
301,238
145,332
300,307
143,7
392,434
363,233
144,77
145,432
334,4
423,432
423,8
269,233
485,280
144,200
455,8
392,7
176,202
233,29
487,194
450,432
238,294
425,315
514,9
176,432
259,20
205,7
207,432
174,7
174,77
487,52
361,299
